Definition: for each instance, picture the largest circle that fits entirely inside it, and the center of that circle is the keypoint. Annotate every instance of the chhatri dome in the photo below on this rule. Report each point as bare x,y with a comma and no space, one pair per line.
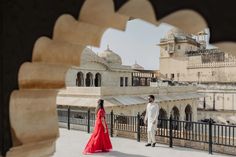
110,56
137,66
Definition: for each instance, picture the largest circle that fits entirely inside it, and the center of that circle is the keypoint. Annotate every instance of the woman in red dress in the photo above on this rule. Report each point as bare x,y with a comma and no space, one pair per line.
99,140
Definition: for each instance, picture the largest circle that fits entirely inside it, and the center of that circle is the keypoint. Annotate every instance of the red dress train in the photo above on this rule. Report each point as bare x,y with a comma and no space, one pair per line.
99,140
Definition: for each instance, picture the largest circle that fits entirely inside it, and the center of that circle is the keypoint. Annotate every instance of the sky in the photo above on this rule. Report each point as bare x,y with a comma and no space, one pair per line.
137,43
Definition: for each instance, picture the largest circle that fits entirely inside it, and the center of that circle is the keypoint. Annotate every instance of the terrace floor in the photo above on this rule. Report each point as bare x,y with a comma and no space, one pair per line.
72,142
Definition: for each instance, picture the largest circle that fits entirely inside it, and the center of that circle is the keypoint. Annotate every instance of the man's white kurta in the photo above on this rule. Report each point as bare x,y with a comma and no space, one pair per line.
152,112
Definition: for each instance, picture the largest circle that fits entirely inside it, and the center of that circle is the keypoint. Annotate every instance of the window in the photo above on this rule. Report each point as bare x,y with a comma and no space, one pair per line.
172,76
121,81
80,79
171,47
98,79
178,47
126,81
89,79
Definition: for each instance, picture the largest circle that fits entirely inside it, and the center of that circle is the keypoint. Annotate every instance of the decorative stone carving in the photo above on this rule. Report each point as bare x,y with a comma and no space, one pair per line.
56,52
69,30
102,14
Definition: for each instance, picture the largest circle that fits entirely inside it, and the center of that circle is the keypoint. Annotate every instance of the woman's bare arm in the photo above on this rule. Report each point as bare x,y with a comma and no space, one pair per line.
104,124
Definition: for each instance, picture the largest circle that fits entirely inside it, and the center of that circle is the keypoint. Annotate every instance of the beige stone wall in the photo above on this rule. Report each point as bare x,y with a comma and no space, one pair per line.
168,66
188,69
116,91
212,72
223,100
213,114
112,78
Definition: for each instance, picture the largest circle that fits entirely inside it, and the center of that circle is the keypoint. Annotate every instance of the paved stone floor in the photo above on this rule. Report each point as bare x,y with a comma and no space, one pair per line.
71,144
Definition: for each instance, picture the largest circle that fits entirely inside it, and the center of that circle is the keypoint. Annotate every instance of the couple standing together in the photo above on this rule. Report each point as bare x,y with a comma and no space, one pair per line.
100,140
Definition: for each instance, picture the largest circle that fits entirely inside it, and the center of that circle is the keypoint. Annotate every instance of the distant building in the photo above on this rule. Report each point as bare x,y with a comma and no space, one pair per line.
184,58
143,77
124,88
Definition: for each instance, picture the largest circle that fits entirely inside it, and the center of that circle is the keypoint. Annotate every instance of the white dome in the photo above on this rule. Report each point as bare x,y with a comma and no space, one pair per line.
110,56
89,56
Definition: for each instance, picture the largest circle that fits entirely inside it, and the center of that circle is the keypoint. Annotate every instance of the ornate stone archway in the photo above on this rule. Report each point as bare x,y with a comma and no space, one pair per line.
51,60
80,79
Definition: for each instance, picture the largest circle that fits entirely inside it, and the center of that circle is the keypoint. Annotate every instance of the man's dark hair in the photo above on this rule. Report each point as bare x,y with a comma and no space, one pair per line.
152,96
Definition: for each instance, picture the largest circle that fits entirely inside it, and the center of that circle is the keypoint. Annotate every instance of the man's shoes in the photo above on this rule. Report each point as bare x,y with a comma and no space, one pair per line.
147,145
153,145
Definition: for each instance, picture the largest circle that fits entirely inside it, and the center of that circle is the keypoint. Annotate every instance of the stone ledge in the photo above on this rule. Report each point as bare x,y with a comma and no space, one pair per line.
40,149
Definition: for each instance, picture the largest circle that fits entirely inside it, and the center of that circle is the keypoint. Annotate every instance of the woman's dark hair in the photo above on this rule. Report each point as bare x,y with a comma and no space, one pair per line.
152,96
100,105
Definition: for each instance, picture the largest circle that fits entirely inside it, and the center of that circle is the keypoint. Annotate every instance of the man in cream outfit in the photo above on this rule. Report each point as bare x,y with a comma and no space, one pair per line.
151,116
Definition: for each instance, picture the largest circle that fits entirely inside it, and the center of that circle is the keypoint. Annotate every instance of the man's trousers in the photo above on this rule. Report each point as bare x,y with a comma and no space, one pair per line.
151,136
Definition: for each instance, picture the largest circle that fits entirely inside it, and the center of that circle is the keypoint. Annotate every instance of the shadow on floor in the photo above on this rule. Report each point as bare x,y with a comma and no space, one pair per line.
119,154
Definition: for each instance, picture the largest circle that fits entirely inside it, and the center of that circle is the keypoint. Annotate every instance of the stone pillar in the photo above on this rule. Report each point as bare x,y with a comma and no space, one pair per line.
168,109
34,123
84,80
182,111
194,110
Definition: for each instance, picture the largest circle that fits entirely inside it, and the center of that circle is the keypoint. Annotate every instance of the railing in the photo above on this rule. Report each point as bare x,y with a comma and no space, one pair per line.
209,133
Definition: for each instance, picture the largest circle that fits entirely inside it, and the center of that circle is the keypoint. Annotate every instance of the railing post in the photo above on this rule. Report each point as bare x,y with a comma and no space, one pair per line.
138,127
68,118
171,133
210,136
111,124
88,120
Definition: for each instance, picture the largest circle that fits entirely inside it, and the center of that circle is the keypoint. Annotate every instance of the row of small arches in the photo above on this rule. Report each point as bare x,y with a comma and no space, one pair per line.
176,114
89,80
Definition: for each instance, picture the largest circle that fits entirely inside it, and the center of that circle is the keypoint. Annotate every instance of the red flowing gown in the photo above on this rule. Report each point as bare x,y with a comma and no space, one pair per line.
99,140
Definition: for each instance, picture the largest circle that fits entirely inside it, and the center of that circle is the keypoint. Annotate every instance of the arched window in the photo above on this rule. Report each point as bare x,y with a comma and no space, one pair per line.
80,79
175,112
162,114
188,117
188,113
89,79
98,80
176,115
162,119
